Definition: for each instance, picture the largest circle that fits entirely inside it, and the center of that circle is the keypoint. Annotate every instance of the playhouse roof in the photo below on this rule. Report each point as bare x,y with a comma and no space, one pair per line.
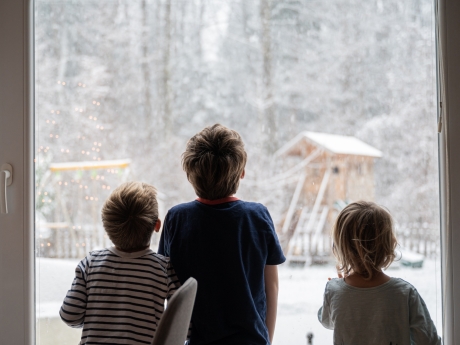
338,144
91,165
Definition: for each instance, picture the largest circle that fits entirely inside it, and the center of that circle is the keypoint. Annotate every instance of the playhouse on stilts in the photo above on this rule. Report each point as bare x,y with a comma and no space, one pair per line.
333,170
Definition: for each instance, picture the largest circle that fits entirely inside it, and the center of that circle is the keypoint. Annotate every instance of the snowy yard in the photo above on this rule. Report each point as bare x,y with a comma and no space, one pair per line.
301,291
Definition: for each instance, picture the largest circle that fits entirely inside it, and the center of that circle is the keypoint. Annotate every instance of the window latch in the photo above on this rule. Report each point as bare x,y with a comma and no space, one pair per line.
6,178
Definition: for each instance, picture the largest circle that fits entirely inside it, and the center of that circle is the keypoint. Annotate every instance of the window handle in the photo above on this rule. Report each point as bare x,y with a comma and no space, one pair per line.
6,178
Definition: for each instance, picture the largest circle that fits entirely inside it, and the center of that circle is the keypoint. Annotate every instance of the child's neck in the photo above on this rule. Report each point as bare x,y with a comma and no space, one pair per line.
132,251
357,280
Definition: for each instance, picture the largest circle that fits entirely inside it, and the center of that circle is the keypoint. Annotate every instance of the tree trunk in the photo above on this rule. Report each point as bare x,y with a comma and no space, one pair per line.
269,121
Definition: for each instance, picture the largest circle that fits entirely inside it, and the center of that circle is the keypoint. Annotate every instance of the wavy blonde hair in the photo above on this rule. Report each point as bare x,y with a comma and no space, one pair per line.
364,239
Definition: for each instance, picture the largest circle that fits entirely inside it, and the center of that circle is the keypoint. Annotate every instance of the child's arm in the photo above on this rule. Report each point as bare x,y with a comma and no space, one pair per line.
422,328
74,306
271,291
324,313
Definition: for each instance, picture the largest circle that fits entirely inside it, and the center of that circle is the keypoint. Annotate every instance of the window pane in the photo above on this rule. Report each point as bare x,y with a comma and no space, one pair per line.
338,94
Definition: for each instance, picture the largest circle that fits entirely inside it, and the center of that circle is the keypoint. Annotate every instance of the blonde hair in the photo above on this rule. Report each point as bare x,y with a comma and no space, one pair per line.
129,215
364,239
214,160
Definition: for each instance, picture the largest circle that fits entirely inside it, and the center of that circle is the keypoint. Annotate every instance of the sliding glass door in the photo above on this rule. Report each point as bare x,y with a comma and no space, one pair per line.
333,108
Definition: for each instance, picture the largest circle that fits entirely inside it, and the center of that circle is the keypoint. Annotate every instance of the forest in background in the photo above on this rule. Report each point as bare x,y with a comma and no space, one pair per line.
136,79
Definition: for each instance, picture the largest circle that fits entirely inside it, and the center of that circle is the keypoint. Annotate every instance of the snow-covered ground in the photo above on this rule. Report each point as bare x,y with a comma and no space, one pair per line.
301,292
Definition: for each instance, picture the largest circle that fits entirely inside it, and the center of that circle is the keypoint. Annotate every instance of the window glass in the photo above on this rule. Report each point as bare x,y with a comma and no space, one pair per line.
334,100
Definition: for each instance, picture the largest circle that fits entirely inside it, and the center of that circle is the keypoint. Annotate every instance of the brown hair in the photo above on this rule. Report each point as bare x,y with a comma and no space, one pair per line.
129,215
364,239
214,160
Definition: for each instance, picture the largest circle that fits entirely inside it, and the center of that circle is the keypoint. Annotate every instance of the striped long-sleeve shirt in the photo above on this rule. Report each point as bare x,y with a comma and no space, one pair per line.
118,297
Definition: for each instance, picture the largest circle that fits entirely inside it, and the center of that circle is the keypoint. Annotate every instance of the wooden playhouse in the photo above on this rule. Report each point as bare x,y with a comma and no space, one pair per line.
333,170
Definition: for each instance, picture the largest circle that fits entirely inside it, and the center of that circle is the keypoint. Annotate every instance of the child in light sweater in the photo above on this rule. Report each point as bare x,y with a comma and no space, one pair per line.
365,306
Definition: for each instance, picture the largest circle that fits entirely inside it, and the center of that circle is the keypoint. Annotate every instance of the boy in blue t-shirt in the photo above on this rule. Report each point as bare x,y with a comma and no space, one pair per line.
228,245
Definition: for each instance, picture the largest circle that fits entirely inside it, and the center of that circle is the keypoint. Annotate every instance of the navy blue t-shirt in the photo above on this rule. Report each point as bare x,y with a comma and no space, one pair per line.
225,247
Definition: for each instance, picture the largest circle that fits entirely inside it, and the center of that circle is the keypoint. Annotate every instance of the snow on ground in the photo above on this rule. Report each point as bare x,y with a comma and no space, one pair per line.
300,297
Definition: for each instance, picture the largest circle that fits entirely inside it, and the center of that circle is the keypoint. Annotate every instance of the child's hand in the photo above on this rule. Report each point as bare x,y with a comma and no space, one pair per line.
339,273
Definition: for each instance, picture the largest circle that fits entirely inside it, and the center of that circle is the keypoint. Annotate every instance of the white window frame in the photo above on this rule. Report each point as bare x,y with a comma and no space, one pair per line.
448,58
17,254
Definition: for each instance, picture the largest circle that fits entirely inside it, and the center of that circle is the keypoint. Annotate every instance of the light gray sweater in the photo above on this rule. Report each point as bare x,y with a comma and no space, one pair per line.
389,314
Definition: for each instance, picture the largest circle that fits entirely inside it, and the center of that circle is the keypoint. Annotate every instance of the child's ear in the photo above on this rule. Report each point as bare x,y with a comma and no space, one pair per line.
157,226
243,173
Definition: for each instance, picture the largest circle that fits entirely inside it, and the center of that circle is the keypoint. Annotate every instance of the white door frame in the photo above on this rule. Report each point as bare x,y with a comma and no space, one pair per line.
448,57
17,305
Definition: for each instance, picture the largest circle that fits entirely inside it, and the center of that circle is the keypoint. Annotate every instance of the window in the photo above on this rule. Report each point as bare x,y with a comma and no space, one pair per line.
122,85
448,124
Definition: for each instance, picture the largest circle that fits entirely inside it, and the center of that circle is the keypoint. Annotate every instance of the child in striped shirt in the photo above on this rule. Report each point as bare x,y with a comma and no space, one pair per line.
118,293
